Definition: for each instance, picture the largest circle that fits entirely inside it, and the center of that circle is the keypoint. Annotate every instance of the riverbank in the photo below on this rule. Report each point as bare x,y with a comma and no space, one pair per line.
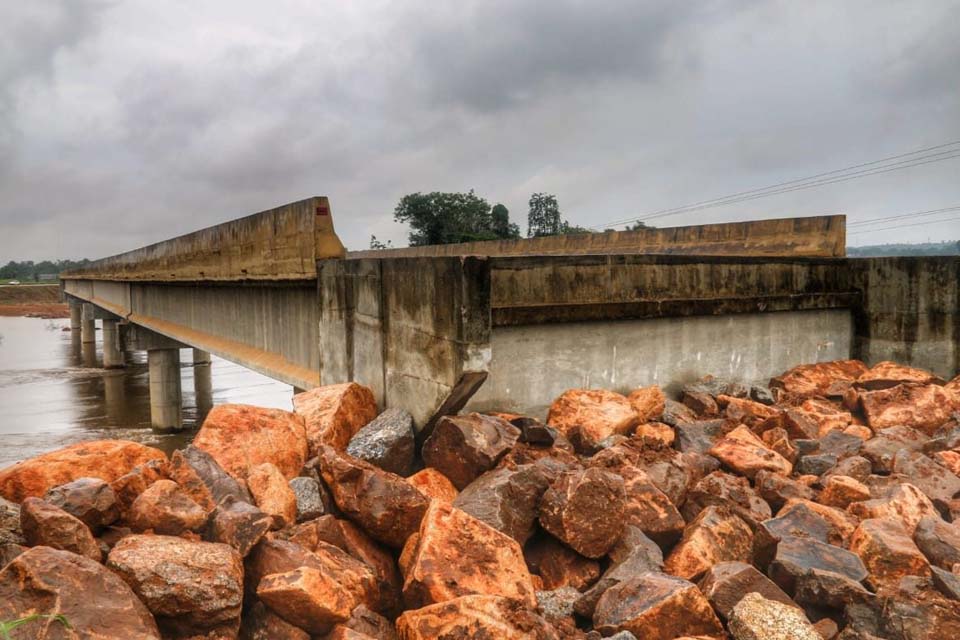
32,301
823,505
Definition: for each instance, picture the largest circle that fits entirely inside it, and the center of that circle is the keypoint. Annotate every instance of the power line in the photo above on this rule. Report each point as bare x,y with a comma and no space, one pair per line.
915,214
819,179
900,226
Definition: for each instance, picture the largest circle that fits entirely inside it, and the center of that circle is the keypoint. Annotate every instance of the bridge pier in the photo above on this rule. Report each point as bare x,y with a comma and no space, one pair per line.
112,355
88,326
75,314
202,382
165,398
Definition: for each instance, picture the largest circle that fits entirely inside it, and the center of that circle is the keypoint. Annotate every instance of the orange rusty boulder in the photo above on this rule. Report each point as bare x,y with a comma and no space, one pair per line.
656,606
434,485
273,495
190,587
239,437
95,602
821,379
464,447
334,413
104,459
717,535
311,598
164,509
478,617
585,509
648,403
905,503
921,407
50,526
886,374
888,552
558,565
458,555
384,505
747,454
587,416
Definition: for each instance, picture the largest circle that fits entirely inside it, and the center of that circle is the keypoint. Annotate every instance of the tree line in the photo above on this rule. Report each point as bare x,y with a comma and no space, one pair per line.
30,271
448,218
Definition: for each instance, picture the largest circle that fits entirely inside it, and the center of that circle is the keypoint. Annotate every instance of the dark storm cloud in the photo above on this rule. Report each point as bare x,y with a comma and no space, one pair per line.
131,122
505,52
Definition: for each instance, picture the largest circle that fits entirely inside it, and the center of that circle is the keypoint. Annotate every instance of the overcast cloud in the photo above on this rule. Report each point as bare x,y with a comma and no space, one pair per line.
128,122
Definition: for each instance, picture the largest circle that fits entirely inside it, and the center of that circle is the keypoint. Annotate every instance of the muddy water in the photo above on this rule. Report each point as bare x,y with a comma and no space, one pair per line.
53,392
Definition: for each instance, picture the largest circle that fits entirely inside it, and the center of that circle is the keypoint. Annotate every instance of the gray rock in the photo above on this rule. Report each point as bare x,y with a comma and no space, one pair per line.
220,483
761,395
946,582
816,465
10,532
387,442
309,498
89,499
557,604
756,618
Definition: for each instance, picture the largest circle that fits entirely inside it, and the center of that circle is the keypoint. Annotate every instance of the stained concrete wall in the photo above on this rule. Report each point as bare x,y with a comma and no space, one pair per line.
533,364
818,236
910,311
416,330
279,244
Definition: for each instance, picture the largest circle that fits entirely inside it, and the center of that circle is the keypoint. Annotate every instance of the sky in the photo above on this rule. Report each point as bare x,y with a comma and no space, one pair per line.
129,122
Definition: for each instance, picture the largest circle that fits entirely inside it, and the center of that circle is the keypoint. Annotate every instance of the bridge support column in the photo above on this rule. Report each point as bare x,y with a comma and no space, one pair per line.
88,326
112,355
165,398
202,382
75,313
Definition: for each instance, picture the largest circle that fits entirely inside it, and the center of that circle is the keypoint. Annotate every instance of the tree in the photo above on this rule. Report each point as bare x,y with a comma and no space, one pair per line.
638,225
445,218
376,244
544,218
501,223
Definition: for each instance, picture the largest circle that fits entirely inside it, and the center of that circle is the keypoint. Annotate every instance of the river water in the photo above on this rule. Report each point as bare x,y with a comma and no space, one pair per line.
53,392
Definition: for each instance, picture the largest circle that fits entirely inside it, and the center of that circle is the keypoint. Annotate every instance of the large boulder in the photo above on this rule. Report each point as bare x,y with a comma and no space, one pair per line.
164,509
237,524
50,526
905,503
820,379
634,555
475,616
131,486
309,497
585,510
95,602
587,416
726,583
921,407
384,505
797,556
717,535
463,447
888,552
746,454
558,565
240,437
507,499
273,494
92,500
104,459
656,607
190,587
757,618
191,467
10,532
886,374
939,541
434,485
333,413
648,403
387,442
458,555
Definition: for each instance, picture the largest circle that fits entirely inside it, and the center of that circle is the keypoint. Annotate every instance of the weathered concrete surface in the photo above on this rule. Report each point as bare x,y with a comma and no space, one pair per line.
278,244
628,354
909,312
822,236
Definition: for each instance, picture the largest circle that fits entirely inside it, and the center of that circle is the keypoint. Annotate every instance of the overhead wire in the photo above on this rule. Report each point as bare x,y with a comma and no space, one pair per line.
820,179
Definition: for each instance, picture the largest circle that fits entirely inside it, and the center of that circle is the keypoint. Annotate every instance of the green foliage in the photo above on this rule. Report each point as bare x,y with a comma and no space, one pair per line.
544,217
501,223
446,218
7,627
376,244
638,225
29,271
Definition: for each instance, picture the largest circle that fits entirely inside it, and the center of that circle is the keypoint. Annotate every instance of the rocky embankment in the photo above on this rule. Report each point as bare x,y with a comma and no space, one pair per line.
820,507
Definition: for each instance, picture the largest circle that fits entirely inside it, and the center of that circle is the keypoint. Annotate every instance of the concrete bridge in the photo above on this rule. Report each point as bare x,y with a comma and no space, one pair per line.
509,325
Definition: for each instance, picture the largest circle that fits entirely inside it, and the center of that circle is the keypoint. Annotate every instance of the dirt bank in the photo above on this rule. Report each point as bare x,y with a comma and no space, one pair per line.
32,301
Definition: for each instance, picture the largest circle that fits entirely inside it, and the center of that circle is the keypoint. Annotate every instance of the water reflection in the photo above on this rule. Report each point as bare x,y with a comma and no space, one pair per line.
54,392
